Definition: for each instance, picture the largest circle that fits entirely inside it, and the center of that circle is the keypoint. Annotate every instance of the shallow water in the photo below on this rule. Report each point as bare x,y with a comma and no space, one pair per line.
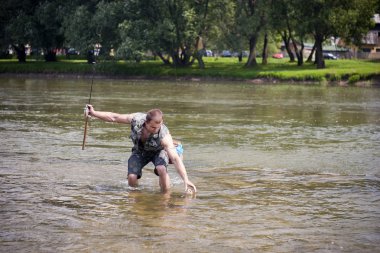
279,168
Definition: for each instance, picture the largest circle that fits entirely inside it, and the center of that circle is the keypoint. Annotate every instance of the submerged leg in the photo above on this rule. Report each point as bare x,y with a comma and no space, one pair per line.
164,179
132,180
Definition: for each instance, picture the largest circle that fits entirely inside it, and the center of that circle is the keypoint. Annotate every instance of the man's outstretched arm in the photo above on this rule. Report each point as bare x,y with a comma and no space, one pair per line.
110,116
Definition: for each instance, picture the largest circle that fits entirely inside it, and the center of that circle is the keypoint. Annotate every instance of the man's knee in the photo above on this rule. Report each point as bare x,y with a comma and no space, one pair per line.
160,170
132,180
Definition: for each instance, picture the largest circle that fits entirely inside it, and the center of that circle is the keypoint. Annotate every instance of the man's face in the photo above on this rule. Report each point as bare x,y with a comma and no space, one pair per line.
153,127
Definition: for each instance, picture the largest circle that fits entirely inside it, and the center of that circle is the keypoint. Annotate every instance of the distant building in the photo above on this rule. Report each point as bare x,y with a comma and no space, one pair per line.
370,47
371,42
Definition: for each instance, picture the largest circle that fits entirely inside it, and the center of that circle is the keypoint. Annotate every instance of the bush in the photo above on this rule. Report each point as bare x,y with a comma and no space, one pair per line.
353,79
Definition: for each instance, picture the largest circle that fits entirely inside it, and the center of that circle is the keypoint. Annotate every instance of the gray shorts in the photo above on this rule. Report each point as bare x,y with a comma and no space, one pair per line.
138,160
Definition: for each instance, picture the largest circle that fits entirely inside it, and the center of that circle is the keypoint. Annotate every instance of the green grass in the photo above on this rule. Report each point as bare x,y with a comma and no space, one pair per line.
223,68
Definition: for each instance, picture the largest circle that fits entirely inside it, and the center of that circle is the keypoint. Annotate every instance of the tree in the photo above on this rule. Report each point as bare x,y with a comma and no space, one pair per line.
48,18
17,23
280,23
39,25
20,32
182,20
79,28
289,21
349,19
297,31
105,21
132,44
173,29
223,31
145,28
251,17
266,20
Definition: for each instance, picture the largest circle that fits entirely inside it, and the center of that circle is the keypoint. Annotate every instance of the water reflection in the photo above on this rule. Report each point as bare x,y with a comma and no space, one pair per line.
279,168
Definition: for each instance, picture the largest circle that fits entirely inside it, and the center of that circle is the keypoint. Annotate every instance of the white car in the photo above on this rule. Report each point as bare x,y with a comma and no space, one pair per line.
329,56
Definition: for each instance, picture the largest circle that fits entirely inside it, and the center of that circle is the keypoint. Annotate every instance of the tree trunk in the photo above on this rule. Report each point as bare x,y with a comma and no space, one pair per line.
310,58
319,52
165,61
20,50
181,59
286,40
299,53
300,59
185,57
90,57
175,58
265,50
240,56
252,52
50,55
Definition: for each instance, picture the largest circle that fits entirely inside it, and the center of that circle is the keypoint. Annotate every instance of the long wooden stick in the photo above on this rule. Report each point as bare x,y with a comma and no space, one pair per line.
85,110
85,133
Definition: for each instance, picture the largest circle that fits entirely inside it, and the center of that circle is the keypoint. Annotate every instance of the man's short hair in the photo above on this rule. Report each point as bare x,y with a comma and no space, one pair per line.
154,114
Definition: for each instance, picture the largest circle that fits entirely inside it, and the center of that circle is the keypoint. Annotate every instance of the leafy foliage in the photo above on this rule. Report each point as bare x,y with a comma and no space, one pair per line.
172,29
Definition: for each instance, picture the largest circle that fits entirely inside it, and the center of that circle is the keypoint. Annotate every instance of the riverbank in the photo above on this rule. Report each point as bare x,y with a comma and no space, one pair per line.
373,82
340,72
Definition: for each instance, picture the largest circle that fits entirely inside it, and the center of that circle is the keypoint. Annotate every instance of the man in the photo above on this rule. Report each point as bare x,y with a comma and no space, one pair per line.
152,143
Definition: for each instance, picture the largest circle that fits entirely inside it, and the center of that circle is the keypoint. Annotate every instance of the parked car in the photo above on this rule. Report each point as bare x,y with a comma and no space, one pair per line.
72,51
226,53
278,56
208,53
329,56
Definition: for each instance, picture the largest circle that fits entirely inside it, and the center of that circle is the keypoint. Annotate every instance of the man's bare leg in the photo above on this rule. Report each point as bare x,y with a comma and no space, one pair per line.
164,179
132,180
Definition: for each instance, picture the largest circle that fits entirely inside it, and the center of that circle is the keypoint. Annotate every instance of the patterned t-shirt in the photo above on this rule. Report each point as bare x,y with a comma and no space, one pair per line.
153,142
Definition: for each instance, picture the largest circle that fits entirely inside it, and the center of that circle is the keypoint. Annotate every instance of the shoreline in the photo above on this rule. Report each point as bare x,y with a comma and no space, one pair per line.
373,82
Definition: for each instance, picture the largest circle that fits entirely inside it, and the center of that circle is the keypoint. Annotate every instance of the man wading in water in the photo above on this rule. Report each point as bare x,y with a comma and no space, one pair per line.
152,143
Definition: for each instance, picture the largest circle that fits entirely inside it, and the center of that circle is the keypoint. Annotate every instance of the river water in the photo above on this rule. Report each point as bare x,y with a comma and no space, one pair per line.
279,168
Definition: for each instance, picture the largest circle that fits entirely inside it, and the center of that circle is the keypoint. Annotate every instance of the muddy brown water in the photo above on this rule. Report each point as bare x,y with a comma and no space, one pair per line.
279,168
